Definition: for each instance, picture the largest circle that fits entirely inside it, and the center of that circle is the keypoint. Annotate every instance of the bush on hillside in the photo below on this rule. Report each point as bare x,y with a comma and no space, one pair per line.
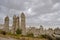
3,32
18,31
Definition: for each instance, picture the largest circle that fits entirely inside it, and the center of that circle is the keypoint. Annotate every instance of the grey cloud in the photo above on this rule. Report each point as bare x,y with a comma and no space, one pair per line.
56,1
13,4
38,8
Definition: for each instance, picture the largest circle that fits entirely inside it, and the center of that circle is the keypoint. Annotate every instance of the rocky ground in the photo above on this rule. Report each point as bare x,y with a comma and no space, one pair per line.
9,37
1,38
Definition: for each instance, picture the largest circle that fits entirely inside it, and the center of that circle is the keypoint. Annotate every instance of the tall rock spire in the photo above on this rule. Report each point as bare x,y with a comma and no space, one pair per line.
6,24
23,23
14,24
17,23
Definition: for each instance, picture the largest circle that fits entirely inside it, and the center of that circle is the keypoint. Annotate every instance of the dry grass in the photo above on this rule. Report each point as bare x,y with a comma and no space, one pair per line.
21,38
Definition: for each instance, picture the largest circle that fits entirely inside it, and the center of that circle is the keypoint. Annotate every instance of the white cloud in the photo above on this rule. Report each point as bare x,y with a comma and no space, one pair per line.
56,6
48,16
29,12
58,19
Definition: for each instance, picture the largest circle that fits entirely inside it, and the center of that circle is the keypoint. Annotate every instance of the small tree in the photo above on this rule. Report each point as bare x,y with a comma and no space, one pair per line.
18,31
3,32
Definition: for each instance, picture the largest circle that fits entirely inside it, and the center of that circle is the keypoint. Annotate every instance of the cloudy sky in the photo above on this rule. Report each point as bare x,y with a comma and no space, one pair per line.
38,12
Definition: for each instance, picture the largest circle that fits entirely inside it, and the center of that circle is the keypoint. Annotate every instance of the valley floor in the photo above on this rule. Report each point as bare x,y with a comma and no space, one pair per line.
5,37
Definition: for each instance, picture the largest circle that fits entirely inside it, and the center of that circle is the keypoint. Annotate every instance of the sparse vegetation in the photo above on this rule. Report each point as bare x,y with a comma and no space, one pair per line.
3,32
19,31
46,37
30,35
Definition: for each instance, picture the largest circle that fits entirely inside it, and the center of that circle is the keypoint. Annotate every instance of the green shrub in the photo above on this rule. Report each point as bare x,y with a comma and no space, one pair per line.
18,31
3,32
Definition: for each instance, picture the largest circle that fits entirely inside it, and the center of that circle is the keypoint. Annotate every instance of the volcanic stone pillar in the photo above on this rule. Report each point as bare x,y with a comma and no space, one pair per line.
23,24
6,24
17,23
14,24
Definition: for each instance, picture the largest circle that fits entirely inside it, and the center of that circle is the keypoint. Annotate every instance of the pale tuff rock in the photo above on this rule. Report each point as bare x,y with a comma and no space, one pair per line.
6,24
20,22
14,24
23,24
